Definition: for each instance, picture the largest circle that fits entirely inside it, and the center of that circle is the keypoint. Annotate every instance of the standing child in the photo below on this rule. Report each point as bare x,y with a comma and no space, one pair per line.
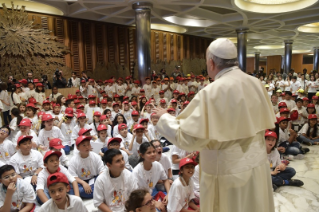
95,123
54,95
127,111
31,113
39,94
67,125
5,100
148,87
153,133
15,194
85,166
59,187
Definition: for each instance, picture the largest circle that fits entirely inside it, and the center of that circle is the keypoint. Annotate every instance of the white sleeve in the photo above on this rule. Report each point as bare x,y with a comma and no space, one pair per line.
72,168
67,174
304,129
99,163
40,138
28,193
11,148
13,162
60,134
41,181
35,138
13,124
162,173
98,194
175,203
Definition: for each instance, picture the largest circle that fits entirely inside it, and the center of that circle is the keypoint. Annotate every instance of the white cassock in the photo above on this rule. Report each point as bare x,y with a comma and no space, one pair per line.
226,122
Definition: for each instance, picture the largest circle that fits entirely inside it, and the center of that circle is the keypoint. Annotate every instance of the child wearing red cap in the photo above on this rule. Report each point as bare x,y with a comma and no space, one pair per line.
161,98
119,119
80,124
54,95
31,113
182,190
16,118
25,129
177,155
125,136
92,87
85,166
14,97
309,133
136,88
110,89
57,113
48,132
137,139
302,115
202,84
147,88
174,104
116,110
31,92
52,165
148,172
146,111
127,111
288,100
95,123
7,147
280,174
155,91
66,125
58,188
15,193
153,133
115,143
83,89
114,185
120,88
39,94
57,145
23,94
102,138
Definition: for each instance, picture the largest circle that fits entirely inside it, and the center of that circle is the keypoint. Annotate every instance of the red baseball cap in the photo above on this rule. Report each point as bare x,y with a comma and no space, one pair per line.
46,117
171,109
77,91
136,82
186,161
76,101
82,138
81,115
101,127
125,97
161,92
122,126
138,126
25,122
32,100
103,101
186,103
39,85
92,102
103,117
41,113
115,103
56,143
91,96
128,77
83,131
283,110
282,104
80,106
114,139
315,97
55,105
22,137
305,99
57,177
282,119
49,153
23,81
162,101
91,80
135,113
176,92
80,97
133,103
191,93
312,116
116,96
31,105
173,101
271,134
46,102
97,113
311,105
181,94
18,85
125,102
35,80
111,81
83,81
142,120
142,90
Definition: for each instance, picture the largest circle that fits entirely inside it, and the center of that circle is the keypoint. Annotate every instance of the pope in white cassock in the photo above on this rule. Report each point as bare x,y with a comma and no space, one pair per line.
226,122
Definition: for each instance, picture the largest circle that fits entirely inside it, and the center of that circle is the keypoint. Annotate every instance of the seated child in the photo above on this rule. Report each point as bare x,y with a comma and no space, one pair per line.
27,162
58,185
309,134
103,138
182,190
7,147
125,136
114,143
52,165
138,199
280,173
15,193
56,145
114,186
153,133
85,166
25,129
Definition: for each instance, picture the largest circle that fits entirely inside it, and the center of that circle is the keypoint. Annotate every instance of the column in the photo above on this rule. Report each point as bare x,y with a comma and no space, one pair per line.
242,47
257,56
315,58
143,38
287,57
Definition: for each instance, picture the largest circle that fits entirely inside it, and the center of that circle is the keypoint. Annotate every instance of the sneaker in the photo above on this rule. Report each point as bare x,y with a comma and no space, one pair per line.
274,187
288,157
295,182
305,150
307,143
299,157
286,162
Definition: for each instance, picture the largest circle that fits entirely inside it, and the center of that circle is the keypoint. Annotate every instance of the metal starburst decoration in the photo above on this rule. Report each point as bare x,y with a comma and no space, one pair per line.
24,47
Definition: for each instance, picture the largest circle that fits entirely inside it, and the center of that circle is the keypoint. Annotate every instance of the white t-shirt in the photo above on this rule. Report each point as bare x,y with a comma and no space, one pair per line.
26,165
91,90
16,100
113,191
300,120
153,133
5,97
148,179
180,195
155,92
35,122
83,91
53,97
148,90
295,86
128,115
290,104
166,163
136,90
24,193
76,205
180,153
274,158
310,88
31,133
44,174
86,168
40,97
110,90
14,128
66,130
120,89
75,132
44,135
125,141
7,149
304,129
136,146
283,135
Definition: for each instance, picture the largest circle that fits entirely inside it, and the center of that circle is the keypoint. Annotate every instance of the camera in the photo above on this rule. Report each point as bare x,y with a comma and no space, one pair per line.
57,73
45,78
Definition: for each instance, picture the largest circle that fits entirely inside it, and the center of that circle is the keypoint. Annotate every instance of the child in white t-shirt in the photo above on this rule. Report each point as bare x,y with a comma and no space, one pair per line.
309,133
127,111
96,122
58,188
182,190
31,113
85,166
135,119
103,138
7,148
125,136
15,193
148,88
119,119
57,145
25,129
154,134
15,121
114,185
137,139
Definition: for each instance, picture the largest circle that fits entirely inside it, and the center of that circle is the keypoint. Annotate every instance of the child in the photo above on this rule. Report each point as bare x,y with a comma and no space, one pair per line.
171,111
153,133
309,134
119,119
177,155
15,193
25,129
81,124
290,103
120,87
7,148
166,88
311,109
115,143
91,110
110,88
127,111
48,133
46,106
56,114
155,90
16,119
14,97
54,95
148,172
31,113
103,138
174,105
67,125
136,89
114,185
52,165
135,119
138,199
31,92
56,145
116,109
22,108
280,173
146,111
39,94
58,186
125,136
302,116
95,123
161,97
27,162
148,87
83,88
85,166
105,120
162,104
182,189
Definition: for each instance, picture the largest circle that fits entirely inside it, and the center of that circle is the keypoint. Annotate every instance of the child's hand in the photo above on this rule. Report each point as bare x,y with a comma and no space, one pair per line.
165,200
134,132
281,149
34,180
146,132
11,189
43,148
87,188
34,145
282,167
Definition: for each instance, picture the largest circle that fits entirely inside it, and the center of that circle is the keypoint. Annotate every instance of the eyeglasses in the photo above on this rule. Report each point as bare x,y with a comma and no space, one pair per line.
9,176
148,203
4,131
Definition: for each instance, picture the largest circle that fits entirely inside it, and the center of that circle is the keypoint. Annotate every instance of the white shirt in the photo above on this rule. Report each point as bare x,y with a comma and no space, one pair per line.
155,92
127,115
31,133
76,205
119,89
44,135
40,97
136,90
75,132
86,168
66,130
295,86
148,90
180,153
274,158
24,193
300,120
113,191
14,128
154,134
283,136
166,163
125,141
7,149
92,90
110,90
290,104
136,146
75,82
31,93
195,178
16,100
53,97
310,88
26,165
148,179
83,91
44,174
304,130
5,97
180,195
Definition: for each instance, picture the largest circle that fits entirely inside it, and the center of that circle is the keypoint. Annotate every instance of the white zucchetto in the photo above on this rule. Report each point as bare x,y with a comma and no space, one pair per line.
223,48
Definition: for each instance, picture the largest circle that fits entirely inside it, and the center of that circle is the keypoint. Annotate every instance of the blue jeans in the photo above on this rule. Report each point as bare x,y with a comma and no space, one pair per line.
67,149
6,117
293,149
103,150
302,139
283,175
82,191
46,192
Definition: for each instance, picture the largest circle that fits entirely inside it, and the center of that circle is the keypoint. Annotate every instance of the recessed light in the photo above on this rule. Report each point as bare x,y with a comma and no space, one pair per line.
189,21
309,28
169,28
300,51
269,47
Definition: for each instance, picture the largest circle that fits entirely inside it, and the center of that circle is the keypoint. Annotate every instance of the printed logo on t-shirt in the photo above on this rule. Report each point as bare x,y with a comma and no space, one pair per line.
117,197
85,173
6,154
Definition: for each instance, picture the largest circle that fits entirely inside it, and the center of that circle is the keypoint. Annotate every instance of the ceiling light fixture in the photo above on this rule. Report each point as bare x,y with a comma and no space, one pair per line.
273,6
189,21
309,28
269,47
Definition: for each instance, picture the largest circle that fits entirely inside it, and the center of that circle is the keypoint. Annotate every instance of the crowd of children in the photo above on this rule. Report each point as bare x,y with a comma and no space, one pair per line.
101,143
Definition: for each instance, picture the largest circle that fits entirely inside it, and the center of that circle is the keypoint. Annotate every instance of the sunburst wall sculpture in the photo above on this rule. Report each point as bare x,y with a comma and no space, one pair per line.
25,47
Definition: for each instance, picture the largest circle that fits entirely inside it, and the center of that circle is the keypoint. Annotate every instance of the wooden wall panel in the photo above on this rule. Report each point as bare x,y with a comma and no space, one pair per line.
250,64
296,62
274,62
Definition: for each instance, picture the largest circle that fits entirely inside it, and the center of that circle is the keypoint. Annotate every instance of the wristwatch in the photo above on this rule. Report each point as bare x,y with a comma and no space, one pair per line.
35,174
